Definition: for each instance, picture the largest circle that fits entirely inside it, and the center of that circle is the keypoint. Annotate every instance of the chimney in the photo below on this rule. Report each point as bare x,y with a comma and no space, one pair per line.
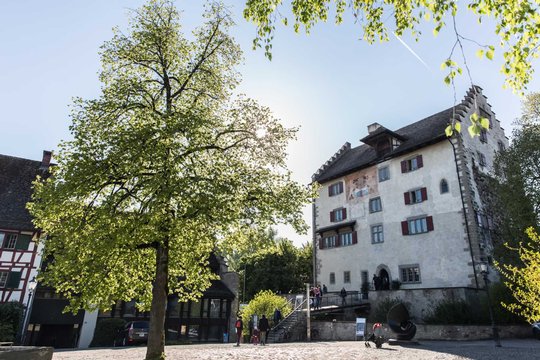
46,160
371,128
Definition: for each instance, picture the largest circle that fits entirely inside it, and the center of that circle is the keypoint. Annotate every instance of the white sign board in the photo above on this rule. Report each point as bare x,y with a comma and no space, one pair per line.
360,326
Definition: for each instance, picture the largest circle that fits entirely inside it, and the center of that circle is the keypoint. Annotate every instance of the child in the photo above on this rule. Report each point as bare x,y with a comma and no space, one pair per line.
255,336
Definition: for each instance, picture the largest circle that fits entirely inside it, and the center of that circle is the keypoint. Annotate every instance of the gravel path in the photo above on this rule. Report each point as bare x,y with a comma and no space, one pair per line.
429,350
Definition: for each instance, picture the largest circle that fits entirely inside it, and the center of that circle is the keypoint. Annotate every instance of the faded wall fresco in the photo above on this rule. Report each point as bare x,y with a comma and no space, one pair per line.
360,187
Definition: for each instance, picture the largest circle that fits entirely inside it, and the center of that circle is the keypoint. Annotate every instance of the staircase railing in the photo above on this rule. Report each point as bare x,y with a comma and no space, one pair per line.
288,319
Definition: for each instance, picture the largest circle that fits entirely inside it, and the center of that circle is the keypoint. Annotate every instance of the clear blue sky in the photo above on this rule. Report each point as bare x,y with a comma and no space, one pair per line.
329,83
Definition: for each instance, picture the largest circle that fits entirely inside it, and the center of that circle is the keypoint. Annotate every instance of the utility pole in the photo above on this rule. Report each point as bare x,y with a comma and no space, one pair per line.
308,313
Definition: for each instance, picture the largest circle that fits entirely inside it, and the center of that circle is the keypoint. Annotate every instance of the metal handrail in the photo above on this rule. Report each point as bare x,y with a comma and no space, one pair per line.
296,309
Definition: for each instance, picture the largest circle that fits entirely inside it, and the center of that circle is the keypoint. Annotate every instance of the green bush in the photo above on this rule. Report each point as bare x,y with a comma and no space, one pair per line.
265,303
456,312
106,330
379,314
11,314
501,294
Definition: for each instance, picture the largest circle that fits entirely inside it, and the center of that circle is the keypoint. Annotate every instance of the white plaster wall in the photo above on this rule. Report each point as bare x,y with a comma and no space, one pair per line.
441,254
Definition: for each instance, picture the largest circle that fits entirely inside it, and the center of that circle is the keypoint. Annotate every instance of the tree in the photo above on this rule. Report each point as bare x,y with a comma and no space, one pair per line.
282,268
164,168
518,190
265,303
516,23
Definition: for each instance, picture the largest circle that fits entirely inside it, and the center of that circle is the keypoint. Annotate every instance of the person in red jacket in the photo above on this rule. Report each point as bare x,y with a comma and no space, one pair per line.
239,326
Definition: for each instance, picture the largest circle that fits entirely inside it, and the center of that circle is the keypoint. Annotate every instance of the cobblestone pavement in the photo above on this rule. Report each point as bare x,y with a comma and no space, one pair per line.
429,350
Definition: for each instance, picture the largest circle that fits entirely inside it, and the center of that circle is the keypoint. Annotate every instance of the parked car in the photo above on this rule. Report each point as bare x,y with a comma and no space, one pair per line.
536,330
134,332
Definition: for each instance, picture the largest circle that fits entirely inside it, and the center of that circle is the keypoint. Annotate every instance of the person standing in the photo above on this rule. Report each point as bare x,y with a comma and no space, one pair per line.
263,327
324,289
319,296
277,316
343,294
239,326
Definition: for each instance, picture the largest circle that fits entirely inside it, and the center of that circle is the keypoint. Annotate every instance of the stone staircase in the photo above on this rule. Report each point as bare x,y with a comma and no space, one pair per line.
292,328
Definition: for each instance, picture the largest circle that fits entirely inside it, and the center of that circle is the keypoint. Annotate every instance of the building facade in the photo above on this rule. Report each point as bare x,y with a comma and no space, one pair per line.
405,206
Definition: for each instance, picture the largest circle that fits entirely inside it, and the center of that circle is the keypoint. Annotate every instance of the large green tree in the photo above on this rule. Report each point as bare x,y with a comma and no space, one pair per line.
164,168
282,268
516,23
517,171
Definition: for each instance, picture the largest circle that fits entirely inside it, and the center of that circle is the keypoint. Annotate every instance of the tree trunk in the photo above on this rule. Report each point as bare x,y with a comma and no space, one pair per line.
156,335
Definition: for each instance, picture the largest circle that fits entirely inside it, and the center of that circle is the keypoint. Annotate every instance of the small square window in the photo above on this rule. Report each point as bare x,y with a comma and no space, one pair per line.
384,174
375,205
483,136
347,277
10,240
338,215
409,274
332,278
335,189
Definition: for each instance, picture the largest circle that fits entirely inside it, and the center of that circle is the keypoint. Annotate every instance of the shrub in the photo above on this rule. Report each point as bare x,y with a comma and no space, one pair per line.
395,284
500,294
106,330
265,303
452,312
379,315
11,314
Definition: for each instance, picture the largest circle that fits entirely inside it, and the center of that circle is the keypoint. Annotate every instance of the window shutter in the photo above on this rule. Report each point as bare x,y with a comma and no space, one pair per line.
424,193
419,161
404,166
332,216
344,213
407,196
340,187
13,280
321,243
330,190
429,221
23,241
354,237
405,228
338,240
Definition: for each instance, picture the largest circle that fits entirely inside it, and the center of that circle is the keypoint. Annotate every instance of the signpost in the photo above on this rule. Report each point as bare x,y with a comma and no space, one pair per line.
360,327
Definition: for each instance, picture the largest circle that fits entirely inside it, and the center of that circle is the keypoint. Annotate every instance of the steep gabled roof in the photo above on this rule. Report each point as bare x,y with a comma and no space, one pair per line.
16,176
419,134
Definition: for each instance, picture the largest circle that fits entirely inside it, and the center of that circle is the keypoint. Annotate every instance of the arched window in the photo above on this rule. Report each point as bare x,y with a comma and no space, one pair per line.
444,186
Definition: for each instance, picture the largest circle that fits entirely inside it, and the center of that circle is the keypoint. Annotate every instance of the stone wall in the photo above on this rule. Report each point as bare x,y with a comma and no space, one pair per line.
345,331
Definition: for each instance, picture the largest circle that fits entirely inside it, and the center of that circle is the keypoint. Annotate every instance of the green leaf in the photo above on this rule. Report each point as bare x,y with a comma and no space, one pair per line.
484,123
457,126
473,131
449,130
489,54
480,53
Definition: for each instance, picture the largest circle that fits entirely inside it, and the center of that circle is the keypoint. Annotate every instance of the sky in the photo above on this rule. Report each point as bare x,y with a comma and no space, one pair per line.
330,84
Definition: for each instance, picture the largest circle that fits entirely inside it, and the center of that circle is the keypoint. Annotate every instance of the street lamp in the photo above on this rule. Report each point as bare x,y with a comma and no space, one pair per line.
31,287
484,272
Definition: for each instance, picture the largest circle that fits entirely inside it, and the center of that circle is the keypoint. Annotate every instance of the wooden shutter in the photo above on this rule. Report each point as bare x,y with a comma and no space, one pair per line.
405,227
321,243
23,241
341,187
13,280
330,190
338,240
419,161
407,197
404,166
344,213
424,193
354,237
429,221
332,216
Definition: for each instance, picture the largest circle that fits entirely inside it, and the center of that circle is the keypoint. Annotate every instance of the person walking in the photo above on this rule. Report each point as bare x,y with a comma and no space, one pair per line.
277,316
343,294
239,326
263,327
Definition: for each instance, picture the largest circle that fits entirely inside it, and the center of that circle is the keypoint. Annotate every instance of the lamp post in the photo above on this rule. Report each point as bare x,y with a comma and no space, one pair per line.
31,287
484,272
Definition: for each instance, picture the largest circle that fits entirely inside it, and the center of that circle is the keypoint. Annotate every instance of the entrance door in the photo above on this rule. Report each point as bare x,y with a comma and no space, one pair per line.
385,279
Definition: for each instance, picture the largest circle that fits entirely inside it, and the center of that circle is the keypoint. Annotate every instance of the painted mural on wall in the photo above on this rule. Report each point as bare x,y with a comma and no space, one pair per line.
360,187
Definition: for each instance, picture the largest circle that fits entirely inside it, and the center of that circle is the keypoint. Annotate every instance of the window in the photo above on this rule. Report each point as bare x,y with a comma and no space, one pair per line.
330,241
332,278
375,205
412,164
384,174
346,239
444,186
377,235
410,273
483,135
335,189
10,240
481,159
3,278
501,146
417,226
415,196
347,277
338,215
485,114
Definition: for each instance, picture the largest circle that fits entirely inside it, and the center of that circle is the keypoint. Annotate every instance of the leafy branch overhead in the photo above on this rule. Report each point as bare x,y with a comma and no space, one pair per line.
165,168
516,23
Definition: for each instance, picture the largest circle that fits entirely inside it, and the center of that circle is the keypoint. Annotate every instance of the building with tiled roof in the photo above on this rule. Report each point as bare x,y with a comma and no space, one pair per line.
405,208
